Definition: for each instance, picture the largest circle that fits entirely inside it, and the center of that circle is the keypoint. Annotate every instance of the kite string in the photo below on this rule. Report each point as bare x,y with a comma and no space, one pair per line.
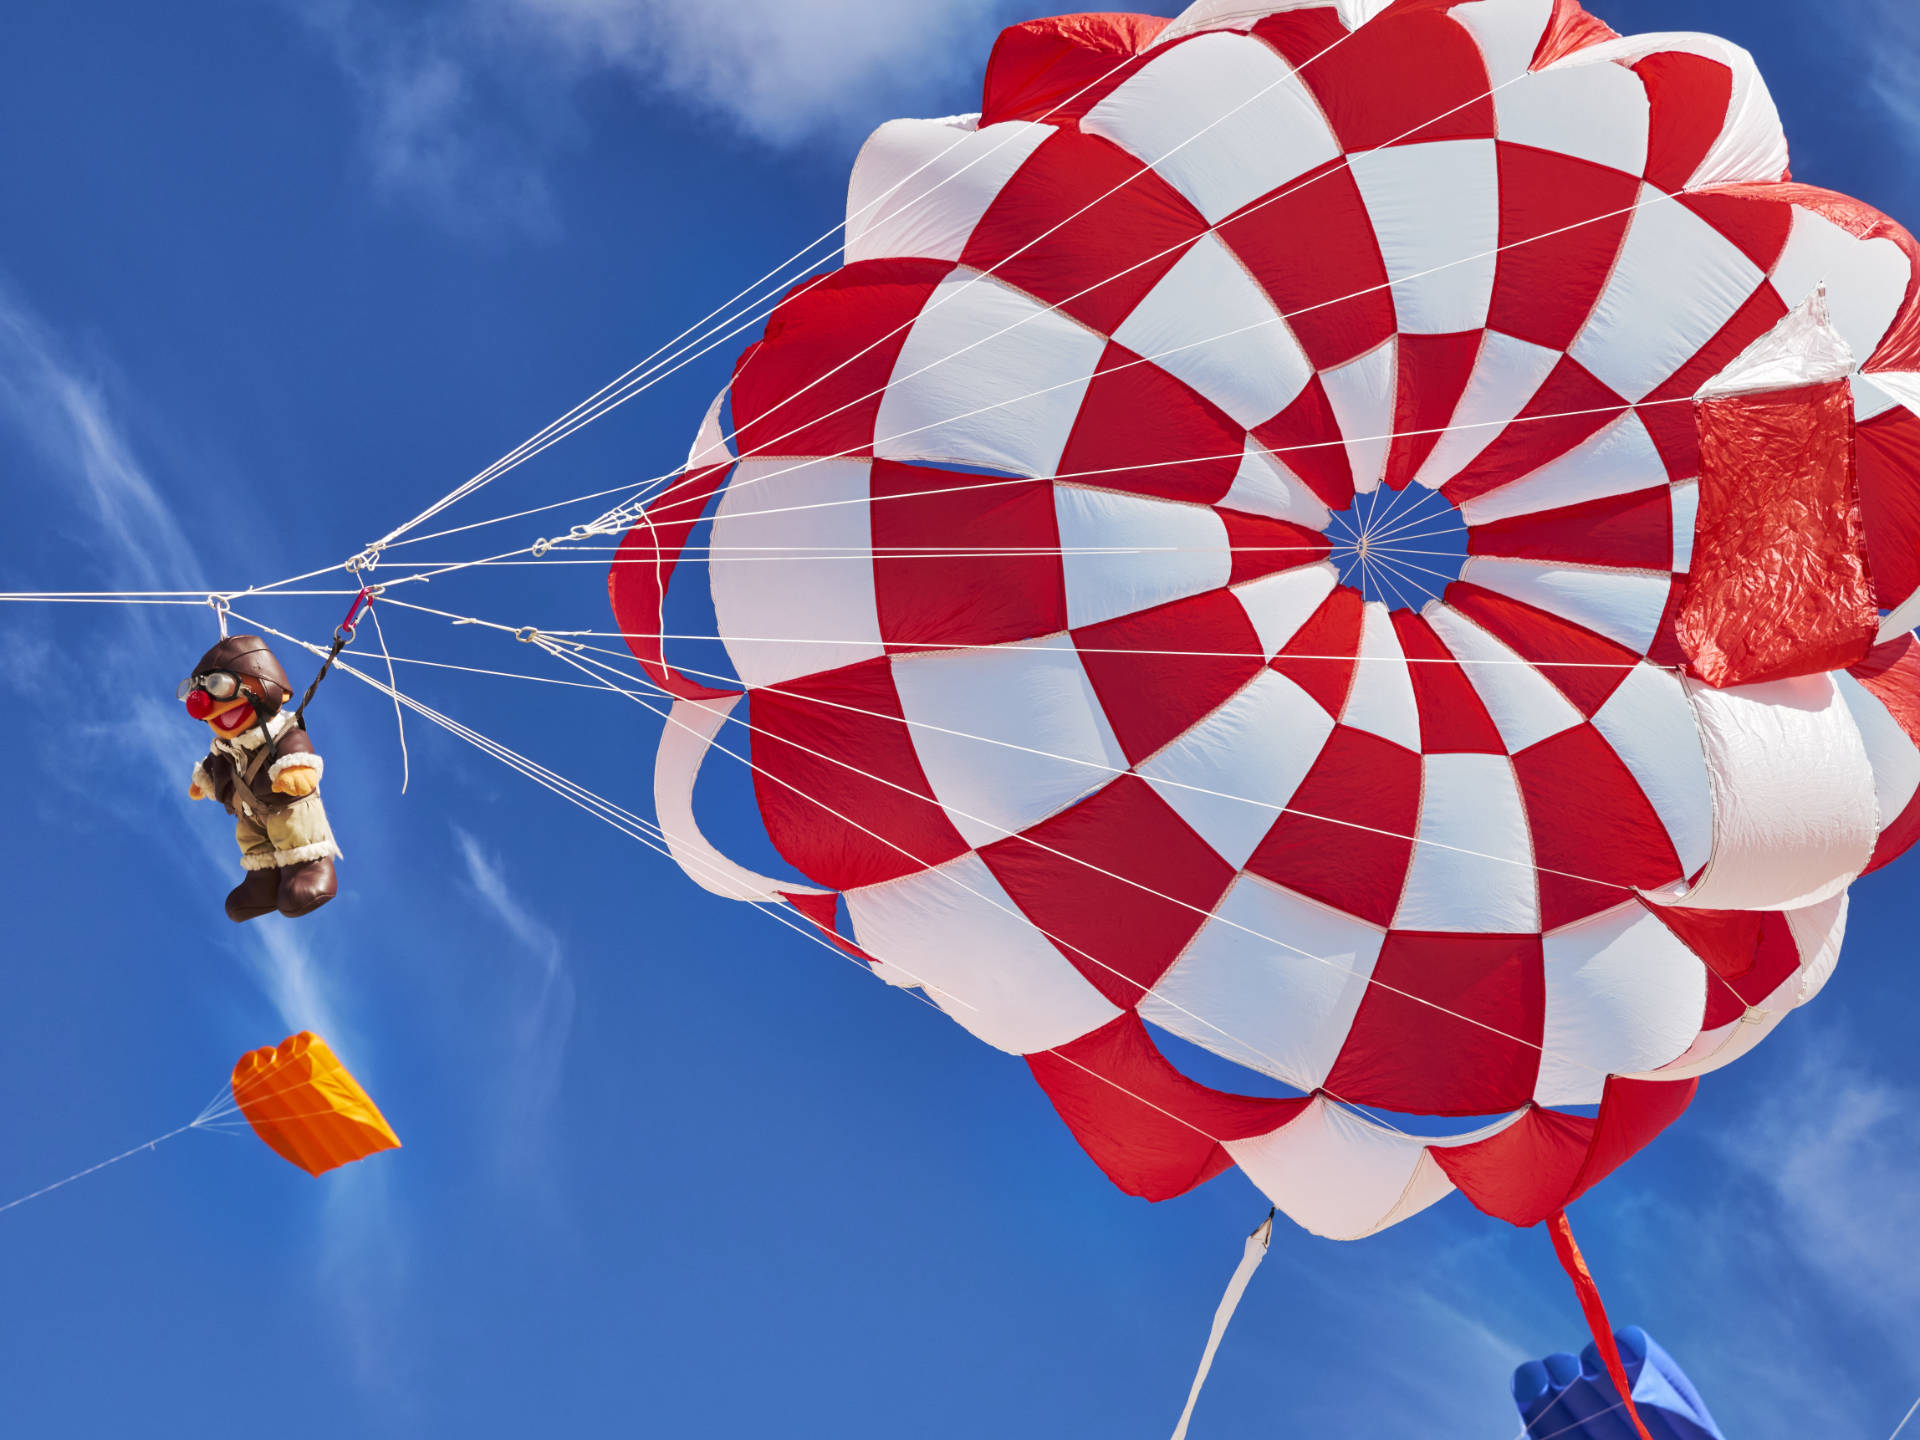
91,1169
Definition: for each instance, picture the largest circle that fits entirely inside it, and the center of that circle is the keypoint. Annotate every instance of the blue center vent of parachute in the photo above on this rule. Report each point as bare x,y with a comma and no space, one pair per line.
1400,547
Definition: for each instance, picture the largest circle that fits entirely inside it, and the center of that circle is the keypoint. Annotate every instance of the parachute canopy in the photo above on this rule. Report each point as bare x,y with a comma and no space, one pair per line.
300,1099
1021,526
1571,1397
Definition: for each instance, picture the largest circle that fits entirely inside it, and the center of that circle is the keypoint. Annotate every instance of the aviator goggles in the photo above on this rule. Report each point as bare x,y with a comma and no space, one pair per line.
218,684
203,692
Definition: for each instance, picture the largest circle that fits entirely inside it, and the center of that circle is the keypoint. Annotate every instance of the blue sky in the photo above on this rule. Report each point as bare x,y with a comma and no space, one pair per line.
273,275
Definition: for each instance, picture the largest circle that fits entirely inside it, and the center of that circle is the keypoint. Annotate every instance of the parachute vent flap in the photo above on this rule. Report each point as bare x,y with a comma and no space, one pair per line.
1779,585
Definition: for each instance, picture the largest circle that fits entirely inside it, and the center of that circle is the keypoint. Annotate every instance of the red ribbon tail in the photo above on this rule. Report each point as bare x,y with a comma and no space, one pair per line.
1576,1267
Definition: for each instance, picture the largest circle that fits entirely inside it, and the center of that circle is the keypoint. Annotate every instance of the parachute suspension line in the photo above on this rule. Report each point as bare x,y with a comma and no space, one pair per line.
645,831
1277,318
656,369
571,656
984,483
623,516
1570,1426
959,647
582,414
577,654
1571,1260
1255,1252
277,589
399,717
626,489
607,810
1050,307
1054,307
229,1101
107,597
370,556
506,674
1088,764
1405,520
775,554
635,827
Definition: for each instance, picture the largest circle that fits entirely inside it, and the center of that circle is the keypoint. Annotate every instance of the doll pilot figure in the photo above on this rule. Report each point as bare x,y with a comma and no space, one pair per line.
261,766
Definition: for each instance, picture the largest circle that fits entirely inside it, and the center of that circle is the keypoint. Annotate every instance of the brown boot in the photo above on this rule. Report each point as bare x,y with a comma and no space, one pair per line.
305,888
254,896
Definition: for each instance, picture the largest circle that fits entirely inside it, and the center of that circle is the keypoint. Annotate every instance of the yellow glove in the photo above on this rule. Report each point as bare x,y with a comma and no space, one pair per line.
299,782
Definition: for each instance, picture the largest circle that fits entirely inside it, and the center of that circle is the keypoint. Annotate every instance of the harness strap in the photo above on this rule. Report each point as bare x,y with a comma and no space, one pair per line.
342,637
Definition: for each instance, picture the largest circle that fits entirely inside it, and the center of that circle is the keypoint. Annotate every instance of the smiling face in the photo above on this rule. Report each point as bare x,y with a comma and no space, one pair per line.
229,718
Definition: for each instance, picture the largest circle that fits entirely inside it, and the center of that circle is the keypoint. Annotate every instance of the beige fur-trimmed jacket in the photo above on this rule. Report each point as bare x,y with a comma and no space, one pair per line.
224,773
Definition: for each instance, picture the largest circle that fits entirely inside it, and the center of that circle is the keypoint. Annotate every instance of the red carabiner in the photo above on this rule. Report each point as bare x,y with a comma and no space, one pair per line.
354,609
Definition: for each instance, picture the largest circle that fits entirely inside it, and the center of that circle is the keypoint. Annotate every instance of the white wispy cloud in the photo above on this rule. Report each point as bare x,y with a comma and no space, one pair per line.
461,102
542,1004
779,71
364,1263
446,122
128,538
1838,1149
58,404
1892,51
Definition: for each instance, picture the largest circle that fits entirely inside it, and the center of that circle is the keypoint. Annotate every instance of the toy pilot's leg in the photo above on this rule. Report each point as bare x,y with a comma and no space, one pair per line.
304,849
260,891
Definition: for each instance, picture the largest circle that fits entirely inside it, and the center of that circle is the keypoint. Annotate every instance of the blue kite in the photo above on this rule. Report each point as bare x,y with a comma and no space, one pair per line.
1570,1398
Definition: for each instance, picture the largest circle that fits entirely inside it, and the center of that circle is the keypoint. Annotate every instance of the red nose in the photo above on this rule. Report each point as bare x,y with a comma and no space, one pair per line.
199,704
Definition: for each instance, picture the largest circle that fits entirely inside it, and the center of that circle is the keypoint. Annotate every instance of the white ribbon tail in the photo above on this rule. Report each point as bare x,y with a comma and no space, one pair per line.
1794,813
691,726
1236,1287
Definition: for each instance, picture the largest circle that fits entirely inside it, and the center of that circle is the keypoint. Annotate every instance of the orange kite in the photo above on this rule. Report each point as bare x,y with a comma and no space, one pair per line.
300,1099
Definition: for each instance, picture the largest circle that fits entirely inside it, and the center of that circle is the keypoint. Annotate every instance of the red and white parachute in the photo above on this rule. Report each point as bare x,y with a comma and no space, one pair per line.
1021,548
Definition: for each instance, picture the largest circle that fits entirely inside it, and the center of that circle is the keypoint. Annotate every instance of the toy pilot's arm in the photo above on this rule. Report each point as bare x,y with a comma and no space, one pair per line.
296,770
200,787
